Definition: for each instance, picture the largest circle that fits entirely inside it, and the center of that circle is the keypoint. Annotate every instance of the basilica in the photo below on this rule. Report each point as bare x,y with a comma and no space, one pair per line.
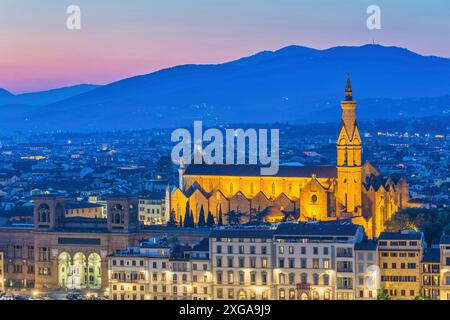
350,190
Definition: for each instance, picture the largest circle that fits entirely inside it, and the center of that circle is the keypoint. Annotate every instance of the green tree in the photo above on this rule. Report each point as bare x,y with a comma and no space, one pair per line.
172,222
201,218
187,217
191,220
383,295
234,217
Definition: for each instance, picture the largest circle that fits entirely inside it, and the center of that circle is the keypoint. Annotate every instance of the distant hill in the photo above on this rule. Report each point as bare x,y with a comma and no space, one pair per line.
44,97
291,84
4,95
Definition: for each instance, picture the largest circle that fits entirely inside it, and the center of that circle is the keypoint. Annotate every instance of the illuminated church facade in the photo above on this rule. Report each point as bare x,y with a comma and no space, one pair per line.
349,190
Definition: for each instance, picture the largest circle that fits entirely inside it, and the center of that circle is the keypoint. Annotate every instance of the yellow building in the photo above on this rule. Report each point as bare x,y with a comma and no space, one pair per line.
399,256
350,189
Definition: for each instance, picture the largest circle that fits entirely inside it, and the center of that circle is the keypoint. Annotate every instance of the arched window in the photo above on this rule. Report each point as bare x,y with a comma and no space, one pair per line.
291,278
44,213
117,218
304,278
263,278
282,294
282,278
291,294
326,280
315,279
230,277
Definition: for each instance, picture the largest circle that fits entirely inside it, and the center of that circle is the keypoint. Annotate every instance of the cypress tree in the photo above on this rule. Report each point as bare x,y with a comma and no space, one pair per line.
210,220
220,223
201,218
191,220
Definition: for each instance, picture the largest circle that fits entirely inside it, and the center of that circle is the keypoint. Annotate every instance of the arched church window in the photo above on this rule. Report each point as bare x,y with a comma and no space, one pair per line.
117,218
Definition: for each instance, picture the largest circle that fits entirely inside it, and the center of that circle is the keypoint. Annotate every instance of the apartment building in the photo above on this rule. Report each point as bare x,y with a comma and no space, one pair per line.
315,260
445,267
159,270
152,209
242,263
400,255
367,271
200,271
293,261
430,274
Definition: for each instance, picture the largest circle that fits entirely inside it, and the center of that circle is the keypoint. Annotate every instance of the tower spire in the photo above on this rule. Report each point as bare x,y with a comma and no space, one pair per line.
348,89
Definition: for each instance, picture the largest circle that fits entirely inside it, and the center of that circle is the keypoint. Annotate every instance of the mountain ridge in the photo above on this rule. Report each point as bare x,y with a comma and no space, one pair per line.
293,82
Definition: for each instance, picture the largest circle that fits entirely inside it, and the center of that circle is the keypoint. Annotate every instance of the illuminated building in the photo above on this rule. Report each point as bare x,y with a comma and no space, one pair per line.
85,210
60,252
445,267
350,189
316,261
430,274
400,254
152,209
367,271
153,271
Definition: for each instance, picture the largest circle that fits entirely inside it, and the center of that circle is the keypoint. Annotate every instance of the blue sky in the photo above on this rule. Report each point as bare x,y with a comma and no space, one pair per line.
123,38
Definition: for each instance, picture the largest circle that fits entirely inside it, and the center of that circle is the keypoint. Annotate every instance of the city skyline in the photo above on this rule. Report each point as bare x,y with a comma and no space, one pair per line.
40,53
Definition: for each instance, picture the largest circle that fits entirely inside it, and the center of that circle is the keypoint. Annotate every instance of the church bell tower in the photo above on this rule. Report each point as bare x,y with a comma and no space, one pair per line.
349,159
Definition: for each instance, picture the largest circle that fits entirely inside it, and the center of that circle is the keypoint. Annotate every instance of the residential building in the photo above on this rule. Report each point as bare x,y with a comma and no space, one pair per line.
315,260
430,273
367,271
445,267
242,263
400,254
152,209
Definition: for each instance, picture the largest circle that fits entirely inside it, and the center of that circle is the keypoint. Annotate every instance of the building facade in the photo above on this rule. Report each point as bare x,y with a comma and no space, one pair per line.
2,273
445,267
61,252
305,261
400,255
349,189
152,209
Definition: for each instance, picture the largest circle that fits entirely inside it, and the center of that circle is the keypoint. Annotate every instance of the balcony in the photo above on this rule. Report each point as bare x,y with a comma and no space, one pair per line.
303,286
